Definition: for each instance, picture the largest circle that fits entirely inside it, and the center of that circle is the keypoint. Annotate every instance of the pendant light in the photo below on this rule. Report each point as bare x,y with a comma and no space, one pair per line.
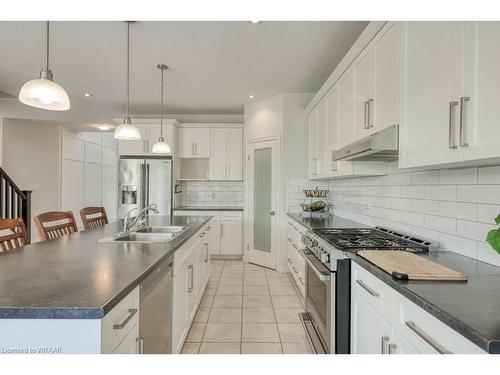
127,131
161,147
44,92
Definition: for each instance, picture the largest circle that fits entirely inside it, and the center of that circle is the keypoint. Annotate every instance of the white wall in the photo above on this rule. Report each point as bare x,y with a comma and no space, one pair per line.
31,157
453,207
264,118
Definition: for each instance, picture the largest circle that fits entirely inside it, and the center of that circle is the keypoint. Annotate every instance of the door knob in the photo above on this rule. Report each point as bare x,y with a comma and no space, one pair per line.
272,213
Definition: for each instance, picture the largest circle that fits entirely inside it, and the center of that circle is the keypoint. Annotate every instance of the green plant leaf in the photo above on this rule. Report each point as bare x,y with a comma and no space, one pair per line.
497,219
493,239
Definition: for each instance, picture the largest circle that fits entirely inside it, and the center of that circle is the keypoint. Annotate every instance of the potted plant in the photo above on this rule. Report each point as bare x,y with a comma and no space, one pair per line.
493,237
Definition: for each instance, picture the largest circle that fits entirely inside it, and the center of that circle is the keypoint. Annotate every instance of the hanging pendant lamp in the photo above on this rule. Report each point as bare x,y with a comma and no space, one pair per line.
161,147
127,131
44,92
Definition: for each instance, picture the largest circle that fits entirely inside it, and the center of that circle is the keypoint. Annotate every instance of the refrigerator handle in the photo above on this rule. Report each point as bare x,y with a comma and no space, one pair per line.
147,185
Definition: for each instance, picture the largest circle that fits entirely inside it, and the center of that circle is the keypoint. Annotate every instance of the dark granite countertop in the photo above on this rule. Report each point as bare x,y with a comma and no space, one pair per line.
75,277
470,308
330,221
220,208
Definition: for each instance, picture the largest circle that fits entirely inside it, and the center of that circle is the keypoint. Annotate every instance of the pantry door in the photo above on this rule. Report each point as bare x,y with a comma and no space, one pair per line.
262,202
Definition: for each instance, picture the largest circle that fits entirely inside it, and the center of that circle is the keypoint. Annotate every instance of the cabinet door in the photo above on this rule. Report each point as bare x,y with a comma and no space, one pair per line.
346,108
230,243
193,274
332,130
218,157
480,136
313,143
364,94
202,142
72,185
370,332
93,153
179,308
387,55
153,136
185,140
234,154
400,345
214,238
93,184
432,84
134,147
321,138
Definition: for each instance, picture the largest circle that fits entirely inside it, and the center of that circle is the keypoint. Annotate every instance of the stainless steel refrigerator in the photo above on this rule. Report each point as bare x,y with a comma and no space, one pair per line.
145,180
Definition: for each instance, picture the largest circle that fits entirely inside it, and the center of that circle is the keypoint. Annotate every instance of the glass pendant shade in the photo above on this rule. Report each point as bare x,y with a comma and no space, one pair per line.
44,93
161,147
127,131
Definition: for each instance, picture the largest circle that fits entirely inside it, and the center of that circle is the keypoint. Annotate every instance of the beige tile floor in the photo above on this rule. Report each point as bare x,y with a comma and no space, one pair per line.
247,309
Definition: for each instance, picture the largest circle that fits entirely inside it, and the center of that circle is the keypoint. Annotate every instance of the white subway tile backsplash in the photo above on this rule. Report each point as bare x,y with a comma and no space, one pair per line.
454,208
489,175
212,194
425,178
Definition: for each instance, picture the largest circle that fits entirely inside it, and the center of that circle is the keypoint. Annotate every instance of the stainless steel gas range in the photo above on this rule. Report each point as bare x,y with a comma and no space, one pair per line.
328,279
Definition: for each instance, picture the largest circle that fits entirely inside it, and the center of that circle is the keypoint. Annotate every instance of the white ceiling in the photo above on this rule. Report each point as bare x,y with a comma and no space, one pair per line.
214,66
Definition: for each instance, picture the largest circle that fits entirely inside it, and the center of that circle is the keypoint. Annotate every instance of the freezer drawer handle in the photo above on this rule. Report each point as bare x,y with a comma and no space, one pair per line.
367,288
427,339
131,313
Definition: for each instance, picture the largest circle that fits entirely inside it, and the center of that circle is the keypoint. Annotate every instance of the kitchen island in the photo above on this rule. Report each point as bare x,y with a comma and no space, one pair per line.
55,294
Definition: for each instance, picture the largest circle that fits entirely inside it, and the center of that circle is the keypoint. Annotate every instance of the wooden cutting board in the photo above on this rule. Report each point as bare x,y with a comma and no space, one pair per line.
409,266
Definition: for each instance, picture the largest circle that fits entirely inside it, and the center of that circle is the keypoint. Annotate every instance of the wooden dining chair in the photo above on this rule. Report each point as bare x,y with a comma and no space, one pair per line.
93,217
55,224
13,234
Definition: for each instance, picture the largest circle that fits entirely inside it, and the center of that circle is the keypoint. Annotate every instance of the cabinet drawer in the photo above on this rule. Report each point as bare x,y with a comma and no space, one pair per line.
425,332
377,293
230,215
117,323
194,241
130,344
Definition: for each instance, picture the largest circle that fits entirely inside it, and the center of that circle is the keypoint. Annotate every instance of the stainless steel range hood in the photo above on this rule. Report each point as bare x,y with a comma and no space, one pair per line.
381,146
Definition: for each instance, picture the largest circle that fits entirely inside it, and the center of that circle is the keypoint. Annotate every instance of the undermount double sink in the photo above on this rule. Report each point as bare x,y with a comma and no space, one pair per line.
147,235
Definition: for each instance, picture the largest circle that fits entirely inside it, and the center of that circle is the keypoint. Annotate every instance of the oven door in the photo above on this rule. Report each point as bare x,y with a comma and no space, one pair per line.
319,281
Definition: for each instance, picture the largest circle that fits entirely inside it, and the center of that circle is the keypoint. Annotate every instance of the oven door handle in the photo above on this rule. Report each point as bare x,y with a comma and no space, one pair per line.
323,273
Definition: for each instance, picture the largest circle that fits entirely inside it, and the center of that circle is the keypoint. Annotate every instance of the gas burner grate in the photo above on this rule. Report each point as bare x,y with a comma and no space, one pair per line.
355,239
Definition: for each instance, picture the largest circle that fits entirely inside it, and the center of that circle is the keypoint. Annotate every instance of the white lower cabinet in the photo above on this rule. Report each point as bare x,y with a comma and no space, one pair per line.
385,322
226,231
190,277
296,263
130,344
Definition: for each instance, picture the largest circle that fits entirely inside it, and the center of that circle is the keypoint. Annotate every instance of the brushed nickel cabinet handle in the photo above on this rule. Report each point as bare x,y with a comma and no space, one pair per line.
140,345
451,133
392,348
191,282
384,340
370,116
365,118
131,313
367,288
463,125
206,254
426,338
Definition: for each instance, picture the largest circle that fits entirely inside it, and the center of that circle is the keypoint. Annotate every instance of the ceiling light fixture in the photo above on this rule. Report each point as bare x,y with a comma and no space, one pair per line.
87,95
251,96
128,131
44,92
255,22
161,147
104,127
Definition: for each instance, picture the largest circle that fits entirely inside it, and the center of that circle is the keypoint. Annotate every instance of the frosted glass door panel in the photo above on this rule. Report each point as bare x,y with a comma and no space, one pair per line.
262,199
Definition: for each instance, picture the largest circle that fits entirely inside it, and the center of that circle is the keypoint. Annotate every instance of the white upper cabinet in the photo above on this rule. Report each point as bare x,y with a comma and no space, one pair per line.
153,136
346,108
226,157
364,71
193,142
332,130
150,134
386,50
321,143
431,89
313,143
134,147
480,128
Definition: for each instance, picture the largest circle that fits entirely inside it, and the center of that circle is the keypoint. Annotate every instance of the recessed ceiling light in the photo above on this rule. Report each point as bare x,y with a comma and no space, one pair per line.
255,22
251,96
104,127
87,95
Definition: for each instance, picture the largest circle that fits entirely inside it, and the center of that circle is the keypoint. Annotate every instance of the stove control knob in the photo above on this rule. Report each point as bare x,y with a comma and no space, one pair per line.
325,258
